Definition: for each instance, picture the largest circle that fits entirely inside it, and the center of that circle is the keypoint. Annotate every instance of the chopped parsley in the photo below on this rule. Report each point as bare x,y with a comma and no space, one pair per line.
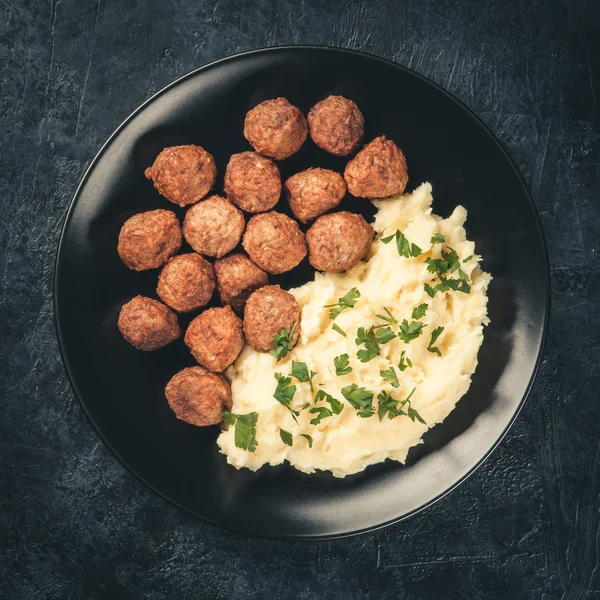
389,318
360,399
284,393
404,362
465,260
283,343
337,328
410,331
405,248
383,336
390,376
308,438
420,311
438,238
342,365
336,405
442,268
435,334
286,437
245,429
346,301
371,346
321,412
301,373
395,408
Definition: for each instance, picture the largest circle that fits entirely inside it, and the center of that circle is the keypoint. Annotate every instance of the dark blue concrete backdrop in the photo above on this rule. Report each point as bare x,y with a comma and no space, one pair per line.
75,525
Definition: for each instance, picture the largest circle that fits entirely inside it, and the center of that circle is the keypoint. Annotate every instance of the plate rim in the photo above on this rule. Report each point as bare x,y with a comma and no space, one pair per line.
310,537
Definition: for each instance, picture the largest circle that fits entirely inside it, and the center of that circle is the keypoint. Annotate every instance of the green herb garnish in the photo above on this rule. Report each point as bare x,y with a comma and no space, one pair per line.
336,405
390,376
301,372
405,248
389,318
384,335
465,260
284,393
420,311
342,365
308,438
410,331
245,429
442,268
337,328
286,437
361,399
404,362
438,238
283,343
321,412
395,408
371,346
346,301
435,334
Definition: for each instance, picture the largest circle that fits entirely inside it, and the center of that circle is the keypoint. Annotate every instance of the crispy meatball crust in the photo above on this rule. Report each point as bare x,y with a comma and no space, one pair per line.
214,226
183,174
149,239
148,324
186,282
269,310
338,241
274,242
198,396
215,338
313,192
377,171
237,278
275,128
336,125
252,182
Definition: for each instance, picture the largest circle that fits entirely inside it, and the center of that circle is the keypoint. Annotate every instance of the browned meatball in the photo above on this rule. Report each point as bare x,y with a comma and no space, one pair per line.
274,242
183,174
148,324
269,310
336,125
214,226
198,396
252,182
313,192
237,278
186,282
377,171
338,241
147,240
215,338
275,128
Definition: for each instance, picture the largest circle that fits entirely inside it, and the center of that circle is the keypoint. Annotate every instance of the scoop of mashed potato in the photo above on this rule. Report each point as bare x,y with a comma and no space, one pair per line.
347,443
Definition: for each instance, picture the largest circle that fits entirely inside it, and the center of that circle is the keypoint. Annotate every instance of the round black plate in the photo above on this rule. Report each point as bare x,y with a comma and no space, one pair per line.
121,389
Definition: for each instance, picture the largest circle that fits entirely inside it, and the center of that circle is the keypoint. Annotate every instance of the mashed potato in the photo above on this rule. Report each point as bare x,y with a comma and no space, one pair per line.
346,443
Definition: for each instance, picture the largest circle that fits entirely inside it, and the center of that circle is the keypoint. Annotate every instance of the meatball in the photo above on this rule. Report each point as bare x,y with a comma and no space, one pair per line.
214,226
269,310
275,128
237,278
148,324
183,174
377,171
313,192
215,338
274,242
186,282
336,125
198,396
149,239
338,241
252,182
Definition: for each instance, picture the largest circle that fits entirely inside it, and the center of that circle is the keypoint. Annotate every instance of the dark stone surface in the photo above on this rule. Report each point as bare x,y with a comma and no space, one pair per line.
74,524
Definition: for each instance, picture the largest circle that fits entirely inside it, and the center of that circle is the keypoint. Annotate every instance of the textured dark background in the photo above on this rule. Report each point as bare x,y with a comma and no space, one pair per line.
75,525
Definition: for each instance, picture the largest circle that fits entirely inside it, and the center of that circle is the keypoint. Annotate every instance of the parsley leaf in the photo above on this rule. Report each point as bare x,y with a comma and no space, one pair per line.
405,248
420,311
337,328
387,405
371,349
389,318
390,376
308,439
411,412
383,336
284,393
286,437
404,362
346,301
435,334
465,260
360,398
336,405
321,412
283,343
442,268
410,331
438,238
342,365
245,429
301,373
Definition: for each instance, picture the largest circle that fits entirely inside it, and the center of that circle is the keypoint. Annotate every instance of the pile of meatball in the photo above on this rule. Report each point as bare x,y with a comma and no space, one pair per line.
253,311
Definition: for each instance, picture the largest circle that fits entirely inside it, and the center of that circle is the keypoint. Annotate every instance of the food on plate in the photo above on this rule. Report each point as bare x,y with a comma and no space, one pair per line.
213,227
186,282
274,242
183,174
336,125
149,239
252,182
198,396
275,128
237,278
377,171
215,338
148,324
338,241
386,351
272,321
313,192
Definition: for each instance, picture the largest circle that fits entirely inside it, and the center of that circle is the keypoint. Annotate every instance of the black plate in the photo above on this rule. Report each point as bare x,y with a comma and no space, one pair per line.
121,389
